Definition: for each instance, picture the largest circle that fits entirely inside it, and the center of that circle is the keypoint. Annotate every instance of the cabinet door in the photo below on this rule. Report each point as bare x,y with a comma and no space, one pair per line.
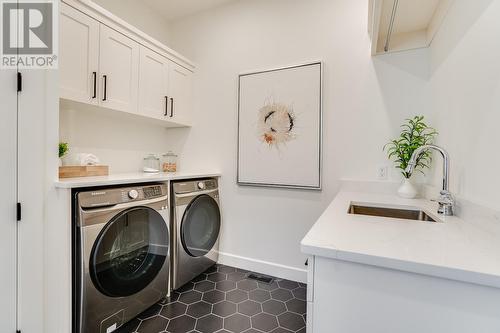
119,71
153,81
79,55
181,89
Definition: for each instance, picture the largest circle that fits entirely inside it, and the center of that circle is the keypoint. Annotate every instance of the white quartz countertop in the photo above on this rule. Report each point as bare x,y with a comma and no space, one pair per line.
463,250
129,178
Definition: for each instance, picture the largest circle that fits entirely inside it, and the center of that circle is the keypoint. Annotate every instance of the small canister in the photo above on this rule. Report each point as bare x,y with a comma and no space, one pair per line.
169,162
151,164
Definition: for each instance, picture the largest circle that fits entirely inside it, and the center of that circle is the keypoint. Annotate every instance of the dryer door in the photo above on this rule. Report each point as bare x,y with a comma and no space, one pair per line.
200,226
129,252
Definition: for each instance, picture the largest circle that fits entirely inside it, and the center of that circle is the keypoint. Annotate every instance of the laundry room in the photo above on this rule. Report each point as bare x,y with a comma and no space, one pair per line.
250,166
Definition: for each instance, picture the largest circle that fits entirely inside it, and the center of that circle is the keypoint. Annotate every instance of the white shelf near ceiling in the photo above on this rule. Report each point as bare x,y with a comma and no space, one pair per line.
414,23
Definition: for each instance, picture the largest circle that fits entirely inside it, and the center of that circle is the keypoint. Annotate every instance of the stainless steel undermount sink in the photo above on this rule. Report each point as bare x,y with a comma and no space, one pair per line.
396,213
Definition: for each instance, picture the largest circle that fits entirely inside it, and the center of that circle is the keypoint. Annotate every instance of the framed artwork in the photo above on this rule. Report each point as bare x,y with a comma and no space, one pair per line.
280,127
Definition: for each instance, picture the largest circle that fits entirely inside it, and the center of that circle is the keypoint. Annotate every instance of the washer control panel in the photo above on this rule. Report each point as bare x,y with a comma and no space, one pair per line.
113,196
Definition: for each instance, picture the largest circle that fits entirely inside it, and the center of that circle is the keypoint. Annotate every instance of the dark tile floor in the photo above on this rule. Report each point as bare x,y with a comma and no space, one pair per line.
224,300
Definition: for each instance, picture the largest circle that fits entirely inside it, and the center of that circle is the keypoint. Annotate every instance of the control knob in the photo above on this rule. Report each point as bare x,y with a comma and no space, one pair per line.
201,185
133,194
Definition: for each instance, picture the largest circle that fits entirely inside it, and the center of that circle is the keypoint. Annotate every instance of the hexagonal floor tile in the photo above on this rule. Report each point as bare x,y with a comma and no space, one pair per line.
237,296
154,324
281,295
173,310
300,293
286,284
204,286
224,309
209,324
259,295
213,296
281,330
199,309
268,286
181,324
274,307
296,305
216,277
291,321
249,308
264,322
237,323
225,285
247,285
236,276
190,297
226,269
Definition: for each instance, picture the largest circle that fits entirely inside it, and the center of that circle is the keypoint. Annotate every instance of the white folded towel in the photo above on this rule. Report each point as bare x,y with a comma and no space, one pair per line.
80,159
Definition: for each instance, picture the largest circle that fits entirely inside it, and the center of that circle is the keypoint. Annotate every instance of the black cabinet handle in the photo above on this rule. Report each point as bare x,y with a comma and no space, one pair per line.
166,106
105,78
171,107
94,74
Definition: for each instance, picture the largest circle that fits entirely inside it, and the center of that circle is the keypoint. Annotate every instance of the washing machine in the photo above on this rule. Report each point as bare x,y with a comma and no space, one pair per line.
196,223
121,255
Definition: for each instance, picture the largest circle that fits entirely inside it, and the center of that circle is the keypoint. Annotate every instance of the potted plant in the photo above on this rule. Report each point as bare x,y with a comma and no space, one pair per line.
415,133
63,150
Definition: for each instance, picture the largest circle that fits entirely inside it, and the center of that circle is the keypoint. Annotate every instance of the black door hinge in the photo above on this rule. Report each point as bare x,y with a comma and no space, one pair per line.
18,211
18,331
19,82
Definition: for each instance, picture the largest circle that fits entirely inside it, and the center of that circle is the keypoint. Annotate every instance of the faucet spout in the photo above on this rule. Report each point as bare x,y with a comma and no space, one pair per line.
446,199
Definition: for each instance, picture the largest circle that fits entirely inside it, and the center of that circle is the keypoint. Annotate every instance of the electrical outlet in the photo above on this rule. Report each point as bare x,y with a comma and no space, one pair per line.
382,172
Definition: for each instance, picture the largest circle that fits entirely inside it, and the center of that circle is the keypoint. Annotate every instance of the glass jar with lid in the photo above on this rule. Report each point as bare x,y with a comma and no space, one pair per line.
151,164
169,162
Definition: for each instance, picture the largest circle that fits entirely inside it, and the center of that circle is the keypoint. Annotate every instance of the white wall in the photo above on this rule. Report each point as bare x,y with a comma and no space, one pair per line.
118,141
139,15
464,95
365,100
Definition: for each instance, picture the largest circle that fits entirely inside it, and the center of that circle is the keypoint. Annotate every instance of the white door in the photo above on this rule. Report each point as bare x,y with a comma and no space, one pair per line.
8,200
78,55
119,70
180,90
153,84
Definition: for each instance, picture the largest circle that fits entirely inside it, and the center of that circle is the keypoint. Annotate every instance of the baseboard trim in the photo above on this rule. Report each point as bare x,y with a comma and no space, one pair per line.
263,267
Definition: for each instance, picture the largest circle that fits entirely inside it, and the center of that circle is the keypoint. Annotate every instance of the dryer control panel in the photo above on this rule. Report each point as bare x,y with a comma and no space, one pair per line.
195,186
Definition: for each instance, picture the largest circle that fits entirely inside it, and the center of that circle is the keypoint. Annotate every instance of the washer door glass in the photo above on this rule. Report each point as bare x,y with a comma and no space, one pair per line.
129,252
200,226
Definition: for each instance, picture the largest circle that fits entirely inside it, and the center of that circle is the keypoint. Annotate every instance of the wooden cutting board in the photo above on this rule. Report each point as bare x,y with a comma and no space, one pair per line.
83,171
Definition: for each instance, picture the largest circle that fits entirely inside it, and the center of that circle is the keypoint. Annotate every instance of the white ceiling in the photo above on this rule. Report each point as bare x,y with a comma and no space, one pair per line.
173,9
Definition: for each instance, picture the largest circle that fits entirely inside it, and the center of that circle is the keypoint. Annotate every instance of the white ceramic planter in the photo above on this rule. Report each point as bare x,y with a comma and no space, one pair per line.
407,189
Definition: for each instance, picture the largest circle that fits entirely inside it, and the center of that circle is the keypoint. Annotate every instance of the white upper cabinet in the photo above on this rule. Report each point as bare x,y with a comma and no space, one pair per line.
108,63
119,70
78,56
399,25
180,90
153,84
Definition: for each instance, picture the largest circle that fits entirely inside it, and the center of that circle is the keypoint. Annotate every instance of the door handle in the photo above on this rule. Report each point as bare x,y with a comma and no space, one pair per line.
171,107
105,95
166,106
94,94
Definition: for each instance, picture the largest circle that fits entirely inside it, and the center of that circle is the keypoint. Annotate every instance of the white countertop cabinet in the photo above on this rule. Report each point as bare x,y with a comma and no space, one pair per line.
376,274
107,63
79,56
